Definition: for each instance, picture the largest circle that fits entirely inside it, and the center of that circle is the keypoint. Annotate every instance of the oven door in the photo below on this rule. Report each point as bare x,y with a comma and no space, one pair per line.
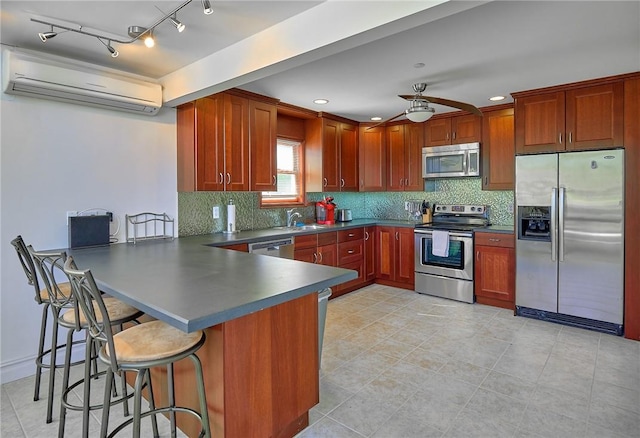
459,262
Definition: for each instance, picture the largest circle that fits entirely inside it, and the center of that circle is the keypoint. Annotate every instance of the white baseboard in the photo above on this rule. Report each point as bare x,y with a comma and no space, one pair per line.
25,367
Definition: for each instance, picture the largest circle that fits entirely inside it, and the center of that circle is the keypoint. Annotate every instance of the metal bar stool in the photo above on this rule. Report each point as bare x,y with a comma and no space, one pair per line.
138,349
68,315
44,297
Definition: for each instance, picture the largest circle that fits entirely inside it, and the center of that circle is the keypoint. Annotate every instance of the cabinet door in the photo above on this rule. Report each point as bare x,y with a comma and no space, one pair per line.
331,156
594,117
495,275
209,141
498,151
395,158
348,158
236,143
369,253
305,254
371,152
539,123
385,242
328,255
466,129
405,257
263,146
438,132
413,143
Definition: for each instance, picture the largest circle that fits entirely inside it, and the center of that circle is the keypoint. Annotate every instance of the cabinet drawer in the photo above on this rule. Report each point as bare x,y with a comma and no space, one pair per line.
306,241
495,239
326,238
356,266
352,234
352,251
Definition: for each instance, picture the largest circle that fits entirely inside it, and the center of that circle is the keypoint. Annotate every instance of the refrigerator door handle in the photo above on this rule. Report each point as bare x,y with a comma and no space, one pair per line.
553,221
561,224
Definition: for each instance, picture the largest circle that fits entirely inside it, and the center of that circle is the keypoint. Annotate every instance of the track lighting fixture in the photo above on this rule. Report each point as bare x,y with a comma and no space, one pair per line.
44,36
135,32
206,6
114,52
176,23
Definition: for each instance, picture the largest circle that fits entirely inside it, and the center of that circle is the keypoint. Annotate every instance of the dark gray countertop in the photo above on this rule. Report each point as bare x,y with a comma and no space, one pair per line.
192,286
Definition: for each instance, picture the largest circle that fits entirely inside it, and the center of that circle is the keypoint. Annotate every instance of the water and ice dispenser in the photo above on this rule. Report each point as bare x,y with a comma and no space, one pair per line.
534,223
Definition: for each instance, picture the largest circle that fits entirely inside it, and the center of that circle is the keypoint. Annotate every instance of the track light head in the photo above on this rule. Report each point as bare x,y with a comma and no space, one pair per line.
44,36
114,52
206,6
149,41
174,20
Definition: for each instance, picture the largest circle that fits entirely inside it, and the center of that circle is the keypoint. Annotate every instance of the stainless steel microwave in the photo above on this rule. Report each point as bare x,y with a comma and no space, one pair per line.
452,161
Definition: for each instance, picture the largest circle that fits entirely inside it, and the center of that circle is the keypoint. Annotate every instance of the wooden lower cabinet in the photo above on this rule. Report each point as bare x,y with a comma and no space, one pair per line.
395,256
351,255
260,373
318,248
244,247
495,269
369,254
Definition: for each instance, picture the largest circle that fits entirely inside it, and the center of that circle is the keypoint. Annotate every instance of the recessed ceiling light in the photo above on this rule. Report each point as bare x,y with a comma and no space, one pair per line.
376,119
496,98
321,101
418,65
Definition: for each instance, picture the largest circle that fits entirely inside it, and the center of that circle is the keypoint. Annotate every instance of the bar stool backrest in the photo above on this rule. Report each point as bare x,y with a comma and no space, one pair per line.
50,267
27,265
92,305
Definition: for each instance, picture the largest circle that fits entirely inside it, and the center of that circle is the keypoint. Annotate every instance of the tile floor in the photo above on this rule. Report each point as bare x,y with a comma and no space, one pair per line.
399,364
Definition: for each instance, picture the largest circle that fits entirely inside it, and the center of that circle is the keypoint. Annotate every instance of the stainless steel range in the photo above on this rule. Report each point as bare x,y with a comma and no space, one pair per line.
444,251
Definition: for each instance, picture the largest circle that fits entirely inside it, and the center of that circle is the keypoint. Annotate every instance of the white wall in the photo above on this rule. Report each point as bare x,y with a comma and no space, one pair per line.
56,157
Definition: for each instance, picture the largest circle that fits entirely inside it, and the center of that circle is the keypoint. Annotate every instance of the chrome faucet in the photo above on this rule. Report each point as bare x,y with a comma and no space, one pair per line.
291,214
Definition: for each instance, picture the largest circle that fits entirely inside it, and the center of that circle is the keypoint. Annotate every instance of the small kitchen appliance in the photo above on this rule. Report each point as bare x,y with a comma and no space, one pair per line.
452,161
325,211
343,215
444,251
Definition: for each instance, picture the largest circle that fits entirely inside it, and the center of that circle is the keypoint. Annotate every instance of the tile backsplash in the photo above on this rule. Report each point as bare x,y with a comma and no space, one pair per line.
195,208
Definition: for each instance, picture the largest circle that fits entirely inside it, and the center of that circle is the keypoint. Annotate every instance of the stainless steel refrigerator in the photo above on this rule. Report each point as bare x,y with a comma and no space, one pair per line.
570,238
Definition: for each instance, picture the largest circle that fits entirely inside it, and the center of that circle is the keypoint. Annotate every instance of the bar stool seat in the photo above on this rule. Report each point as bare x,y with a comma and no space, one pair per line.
116,308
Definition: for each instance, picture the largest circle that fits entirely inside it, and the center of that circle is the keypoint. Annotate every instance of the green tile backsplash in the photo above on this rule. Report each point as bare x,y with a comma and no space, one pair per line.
195,208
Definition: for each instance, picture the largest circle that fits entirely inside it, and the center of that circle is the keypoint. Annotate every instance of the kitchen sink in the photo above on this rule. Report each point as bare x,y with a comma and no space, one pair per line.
301,228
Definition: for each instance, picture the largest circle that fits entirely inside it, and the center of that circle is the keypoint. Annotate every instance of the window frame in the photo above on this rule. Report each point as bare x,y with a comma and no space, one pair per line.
300,200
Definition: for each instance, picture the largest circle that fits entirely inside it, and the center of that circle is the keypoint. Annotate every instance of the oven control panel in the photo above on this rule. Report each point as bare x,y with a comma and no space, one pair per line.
461,209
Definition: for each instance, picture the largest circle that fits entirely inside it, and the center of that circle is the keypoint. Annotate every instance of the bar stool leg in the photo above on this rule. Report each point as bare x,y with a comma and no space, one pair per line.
65,384
172,398
204,411
152,403
52,367
39,357
106,403
137,403
87,386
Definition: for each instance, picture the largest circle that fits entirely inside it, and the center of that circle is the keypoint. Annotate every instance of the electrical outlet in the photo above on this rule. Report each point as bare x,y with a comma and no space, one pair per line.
406,205
216,212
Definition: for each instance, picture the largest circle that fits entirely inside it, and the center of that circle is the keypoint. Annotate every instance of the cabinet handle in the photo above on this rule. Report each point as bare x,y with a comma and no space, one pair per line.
221,178
366,235
275,180
406,181
397,235
341,182
569,136
228,178
315,258
478,255
325,182
486,180
351,251
319,257
351,234
454,135
447,136
494,240
401,182
560,138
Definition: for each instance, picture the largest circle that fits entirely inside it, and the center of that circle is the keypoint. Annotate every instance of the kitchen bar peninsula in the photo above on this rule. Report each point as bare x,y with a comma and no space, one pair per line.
260,316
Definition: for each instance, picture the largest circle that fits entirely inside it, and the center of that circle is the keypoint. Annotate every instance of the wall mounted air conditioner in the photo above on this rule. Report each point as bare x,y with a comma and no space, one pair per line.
45,78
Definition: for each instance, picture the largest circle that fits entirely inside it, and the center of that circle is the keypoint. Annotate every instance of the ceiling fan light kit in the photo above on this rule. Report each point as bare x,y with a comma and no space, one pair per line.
419,114
134,32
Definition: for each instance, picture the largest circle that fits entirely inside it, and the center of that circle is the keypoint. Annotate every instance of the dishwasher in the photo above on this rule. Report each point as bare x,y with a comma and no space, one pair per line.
282,248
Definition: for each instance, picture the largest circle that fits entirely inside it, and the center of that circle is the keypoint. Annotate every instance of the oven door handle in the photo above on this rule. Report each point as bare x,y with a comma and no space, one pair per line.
451,234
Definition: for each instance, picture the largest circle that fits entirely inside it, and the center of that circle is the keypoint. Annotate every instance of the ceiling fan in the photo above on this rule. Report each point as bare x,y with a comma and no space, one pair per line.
420,111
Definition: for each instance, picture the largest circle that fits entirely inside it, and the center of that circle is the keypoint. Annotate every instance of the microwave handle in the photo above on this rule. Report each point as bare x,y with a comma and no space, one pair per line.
465,162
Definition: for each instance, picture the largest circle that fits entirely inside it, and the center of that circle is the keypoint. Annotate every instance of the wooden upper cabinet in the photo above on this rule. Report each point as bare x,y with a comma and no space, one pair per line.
331,146
263,146
498,151
453,129
595,117
589,117
372,159
404,157
236,143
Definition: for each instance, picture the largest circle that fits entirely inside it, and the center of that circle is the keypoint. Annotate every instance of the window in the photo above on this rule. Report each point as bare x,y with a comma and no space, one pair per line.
290,187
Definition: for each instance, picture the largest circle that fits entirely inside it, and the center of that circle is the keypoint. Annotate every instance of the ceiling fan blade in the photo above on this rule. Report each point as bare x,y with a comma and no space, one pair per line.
454,104
385,121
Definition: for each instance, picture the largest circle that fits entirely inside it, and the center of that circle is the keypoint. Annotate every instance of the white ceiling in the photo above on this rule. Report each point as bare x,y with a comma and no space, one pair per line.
476,50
